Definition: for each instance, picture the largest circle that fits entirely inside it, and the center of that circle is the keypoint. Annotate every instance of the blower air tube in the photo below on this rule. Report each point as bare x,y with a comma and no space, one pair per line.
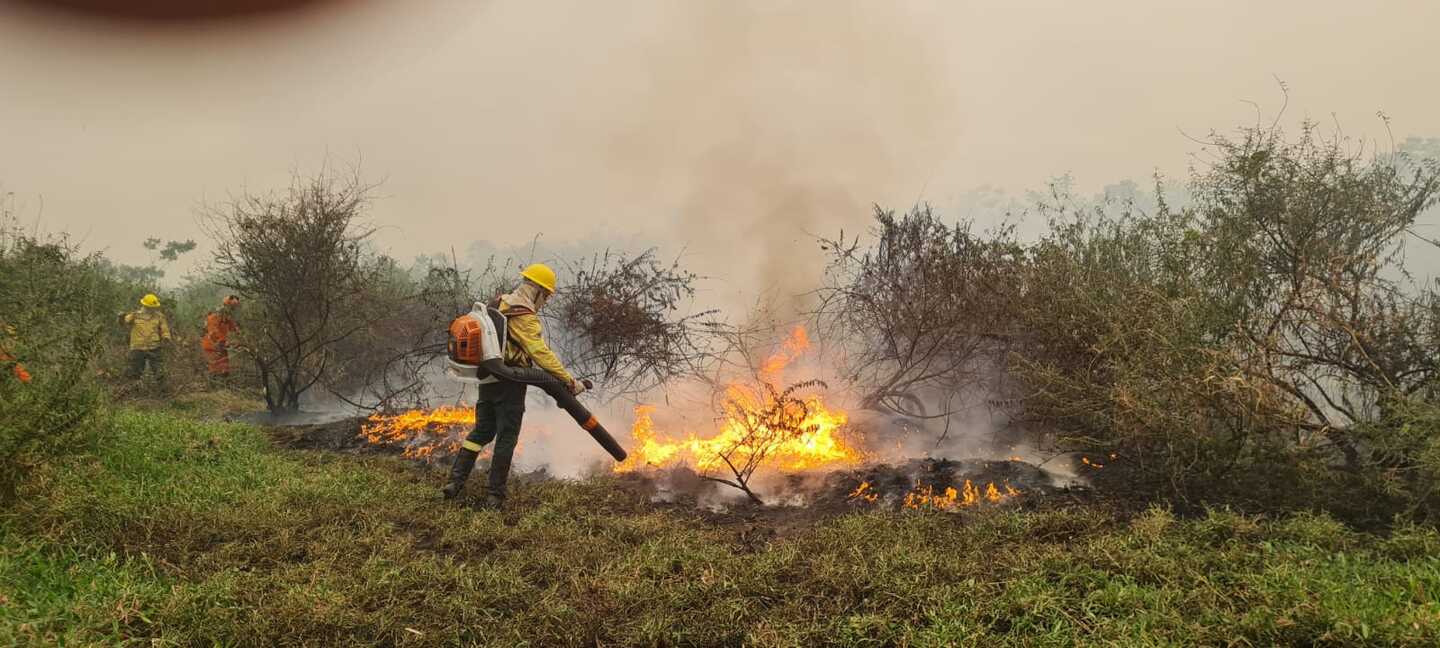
561,393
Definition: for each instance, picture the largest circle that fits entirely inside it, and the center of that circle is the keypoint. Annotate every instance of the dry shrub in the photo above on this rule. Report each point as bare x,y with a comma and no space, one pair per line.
1263,327
54,304
621,320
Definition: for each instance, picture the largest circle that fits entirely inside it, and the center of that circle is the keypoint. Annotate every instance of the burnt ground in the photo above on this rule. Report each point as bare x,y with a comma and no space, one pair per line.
799,501
338,435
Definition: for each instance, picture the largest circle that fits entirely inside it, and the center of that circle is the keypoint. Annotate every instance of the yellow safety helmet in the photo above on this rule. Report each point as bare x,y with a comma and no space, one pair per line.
541,274
150,301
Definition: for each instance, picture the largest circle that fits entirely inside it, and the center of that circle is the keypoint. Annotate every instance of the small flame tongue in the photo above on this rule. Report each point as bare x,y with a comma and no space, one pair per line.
924,496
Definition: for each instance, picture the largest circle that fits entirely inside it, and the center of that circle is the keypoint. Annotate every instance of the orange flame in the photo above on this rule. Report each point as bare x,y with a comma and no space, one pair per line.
421,433
744,432
924,496
863,492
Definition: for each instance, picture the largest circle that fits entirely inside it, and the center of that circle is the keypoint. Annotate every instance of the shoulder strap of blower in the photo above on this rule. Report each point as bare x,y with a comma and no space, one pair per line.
502,334
502,322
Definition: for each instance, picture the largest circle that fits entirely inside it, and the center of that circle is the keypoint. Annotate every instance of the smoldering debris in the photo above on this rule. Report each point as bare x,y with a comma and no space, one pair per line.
339,435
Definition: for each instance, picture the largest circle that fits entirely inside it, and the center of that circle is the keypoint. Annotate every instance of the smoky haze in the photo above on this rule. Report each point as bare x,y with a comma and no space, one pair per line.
733,131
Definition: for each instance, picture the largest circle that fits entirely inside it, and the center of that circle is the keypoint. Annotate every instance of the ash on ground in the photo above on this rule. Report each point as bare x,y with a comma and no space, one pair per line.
333,434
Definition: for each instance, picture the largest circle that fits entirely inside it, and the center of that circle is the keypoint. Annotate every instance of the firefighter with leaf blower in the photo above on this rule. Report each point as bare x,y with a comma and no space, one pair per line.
518,357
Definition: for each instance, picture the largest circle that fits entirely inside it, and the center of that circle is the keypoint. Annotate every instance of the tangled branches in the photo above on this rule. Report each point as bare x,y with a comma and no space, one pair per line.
766,419
618,321
917,308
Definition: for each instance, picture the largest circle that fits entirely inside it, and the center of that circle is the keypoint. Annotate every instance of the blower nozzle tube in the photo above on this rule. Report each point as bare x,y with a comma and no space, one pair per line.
561,393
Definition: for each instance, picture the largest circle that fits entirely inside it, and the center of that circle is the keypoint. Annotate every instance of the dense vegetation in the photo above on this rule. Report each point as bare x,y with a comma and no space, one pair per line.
1264,339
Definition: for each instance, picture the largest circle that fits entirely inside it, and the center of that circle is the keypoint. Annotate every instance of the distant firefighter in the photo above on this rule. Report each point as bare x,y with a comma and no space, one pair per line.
219,324
17,369
148,331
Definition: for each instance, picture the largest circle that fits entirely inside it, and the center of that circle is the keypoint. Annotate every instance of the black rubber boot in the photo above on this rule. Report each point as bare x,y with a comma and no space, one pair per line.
459,472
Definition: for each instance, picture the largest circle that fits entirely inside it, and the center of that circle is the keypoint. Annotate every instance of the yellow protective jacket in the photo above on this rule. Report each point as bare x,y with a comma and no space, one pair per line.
148,329
526,345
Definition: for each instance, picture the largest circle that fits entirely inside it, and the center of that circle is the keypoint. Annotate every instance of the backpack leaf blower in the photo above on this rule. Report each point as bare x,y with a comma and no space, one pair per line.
476,355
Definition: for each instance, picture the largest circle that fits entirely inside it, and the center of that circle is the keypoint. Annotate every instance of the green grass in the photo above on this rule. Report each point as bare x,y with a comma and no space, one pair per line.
181,532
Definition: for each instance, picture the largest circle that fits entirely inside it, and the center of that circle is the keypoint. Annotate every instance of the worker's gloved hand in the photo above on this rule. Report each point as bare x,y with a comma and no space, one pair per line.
577,387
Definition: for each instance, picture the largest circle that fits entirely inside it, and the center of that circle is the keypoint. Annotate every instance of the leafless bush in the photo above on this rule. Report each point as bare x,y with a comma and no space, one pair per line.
619,320
301,258
917,308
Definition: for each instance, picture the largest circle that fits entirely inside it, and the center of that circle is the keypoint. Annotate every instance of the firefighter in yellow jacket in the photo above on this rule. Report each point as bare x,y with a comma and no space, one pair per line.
148,331
501,406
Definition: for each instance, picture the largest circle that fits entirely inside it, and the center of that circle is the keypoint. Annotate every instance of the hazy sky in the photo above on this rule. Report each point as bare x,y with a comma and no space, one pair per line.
733,129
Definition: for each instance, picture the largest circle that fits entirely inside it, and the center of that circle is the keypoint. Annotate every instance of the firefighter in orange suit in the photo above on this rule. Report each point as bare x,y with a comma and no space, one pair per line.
219,324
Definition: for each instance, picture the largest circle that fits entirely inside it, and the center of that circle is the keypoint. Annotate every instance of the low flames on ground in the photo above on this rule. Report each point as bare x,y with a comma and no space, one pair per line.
421,434
816,438
951,498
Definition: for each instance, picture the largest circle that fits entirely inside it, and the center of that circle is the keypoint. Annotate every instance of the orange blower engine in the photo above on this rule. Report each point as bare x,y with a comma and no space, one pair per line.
476,355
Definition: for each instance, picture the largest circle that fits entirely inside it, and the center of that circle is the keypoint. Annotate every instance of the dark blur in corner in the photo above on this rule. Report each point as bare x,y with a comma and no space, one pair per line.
173,10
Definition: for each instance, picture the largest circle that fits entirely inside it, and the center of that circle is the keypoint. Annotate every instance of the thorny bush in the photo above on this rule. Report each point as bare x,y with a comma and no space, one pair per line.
1271,327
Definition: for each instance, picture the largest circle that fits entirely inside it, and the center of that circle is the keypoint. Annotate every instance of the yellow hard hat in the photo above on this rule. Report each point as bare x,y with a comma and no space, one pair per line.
541,274
150,301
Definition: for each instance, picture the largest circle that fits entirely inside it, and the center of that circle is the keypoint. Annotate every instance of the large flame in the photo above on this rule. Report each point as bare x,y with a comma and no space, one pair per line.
810,434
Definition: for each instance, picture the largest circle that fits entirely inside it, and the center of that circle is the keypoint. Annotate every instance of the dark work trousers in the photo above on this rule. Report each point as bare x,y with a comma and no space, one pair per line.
139,358
498,414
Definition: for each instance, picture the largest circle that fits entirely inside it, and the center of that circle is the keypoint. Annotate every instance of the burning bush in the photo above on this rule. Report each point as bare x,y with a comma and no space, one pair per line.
758,425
